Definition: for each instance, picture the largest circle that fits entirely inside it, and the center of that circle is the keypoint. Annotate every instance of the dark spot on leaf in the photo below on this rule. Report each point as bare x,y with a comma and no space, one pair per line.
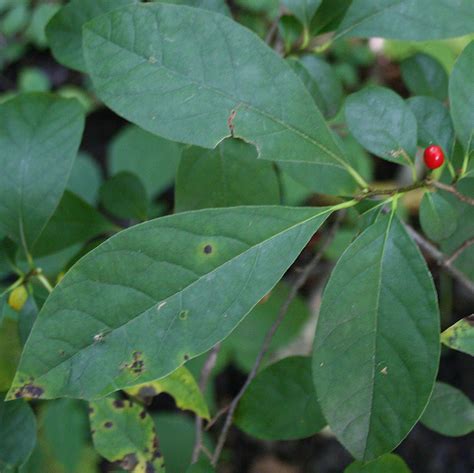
186,357
119,404
183,315
93,431
108,425
208,249
29,391
91,410
230,121
149,468
142,414
129,462
62,352
137,366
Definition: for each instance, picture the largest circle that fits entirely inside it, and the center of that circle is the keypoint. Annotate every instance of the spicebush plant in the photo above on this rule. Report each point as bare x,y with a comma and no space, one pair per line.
112,298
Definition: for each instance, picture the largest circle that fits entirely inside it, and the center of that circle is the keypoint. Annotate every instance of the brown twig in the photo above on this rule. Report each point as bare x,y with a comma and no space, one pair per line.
441,259
219,414
455,255
296,286
203,380
454,191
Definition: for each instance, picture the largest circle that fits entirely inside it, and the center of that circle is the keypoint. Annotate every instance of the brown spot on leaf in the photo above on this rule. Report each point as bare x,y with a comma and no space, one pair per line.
186,357
208,249
146,394
129,462
183,315
137,366
108,424
29,391
142,414
230,121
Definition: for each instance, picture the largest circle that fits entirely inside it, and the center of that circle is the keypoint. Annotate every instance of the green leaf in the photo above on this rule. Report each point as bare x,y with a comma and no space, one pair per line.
461,96
163,82
304,10
388,463
280,403
181,385
42,13
321,81
153,159
450,412
437,216
124,196
434,123
18,433
244,343
227,176
417,20
376,348
39,137
460,336
202,466
26,319
424,75
388,128
85,178
32,79
135,301
177,437
74,221
123,432
64,31
218,6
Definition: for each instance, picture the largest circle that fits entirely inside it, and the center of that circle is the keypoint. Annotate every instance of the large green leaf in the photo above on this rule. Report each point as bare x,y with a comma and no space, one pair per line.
10,351
153,159
424,75
434,123
228,176
157,294
460,336
388,463
377,347
64,31
152,64
416,20
39,137
280,403
18,433
123,432
461,95
388,128
181,385
304,10
449,412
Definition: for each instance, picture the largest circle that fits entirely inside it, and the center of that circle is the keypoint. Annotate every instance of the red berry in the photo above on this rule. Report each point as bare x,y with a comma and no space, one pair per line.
433,157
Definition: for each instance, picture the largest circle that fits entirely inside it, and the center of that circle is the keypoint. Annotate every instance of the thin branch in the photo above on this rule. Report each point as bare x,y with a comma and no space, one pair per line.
441,259
296,286
203,380
454,191
455,255
392,191
219,414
